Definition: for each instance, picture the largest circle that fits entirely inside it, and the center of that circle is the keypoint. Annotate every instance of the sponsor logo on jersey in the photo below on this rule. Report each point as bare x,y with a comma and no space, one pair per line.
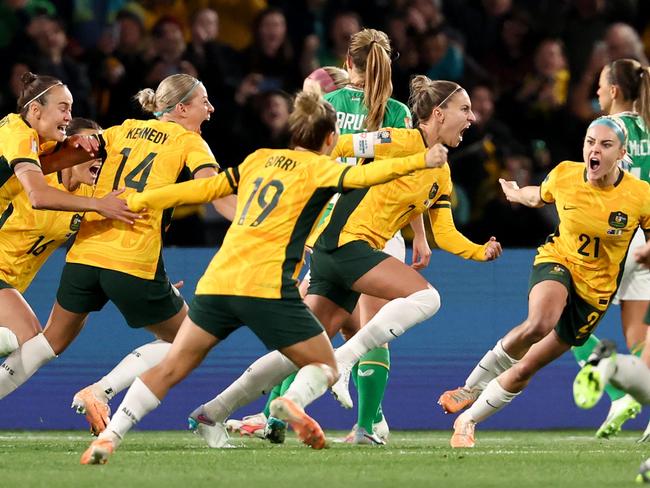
617,219
614,232
367,372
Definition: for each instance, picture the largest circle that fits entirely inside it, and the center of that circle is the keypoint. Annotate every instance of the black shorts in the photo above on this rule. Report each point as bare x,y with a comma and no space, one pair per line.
579,318
85,289
334,272
278,323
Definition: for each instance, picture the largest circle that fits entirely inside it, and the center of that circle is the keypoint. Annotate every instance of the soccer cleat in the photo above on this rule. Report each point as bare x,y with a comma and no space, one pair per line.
275,430
381,429
213,433
463,435
588,387
341,389
98,452
621,411
604,349
359,435
251,425
453,401
97,411
305,427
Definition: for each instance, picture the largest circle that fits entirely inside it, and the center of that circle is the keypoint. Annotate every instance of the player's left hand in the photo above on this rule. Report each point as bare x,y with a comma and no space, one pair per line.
90,143
492,249
421,252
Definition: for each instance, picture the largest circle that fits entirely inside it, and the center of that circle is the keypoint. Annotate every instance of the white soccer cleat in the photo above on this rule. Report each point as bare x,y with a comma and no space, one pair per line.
381,429
251,425
213,433
341,389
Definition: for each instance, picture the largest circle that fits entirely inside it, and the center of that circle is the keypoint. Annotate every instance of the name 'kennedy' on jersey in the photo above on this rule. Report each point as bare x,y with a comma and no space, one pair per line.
148,133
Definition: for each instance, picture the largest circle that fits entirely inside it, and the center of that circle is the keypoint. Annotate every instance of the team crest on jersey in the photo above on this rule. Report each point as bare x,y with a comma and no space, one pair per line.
618,219
75,222
557,270
434,191
383,137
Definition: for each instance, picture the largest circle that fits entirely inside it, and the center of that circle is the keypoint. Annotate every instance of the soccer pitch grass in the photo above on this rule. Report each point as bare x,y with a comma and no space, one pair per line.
160,459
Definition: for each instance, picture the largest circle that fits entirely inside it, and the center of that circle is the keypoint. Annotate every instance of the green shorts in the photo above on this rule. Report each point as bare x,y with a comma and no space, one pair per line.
85,289
277,323
334,272
578,319
4,284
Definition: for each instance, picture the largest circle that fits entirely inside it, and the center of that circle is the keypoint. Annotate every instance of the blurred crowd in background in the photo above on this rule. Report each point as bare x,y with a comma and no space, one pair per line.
530,66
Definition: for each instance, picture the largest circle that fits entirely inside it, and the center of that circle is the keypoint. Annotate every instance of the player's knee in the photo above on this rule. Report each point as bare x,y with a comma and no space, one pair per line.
537,328
523,372
427,301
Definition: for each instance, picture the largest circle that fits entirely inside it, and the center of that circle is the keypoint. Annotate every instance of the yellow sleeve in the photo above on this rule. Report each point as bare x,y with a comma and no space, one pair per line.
548,187
644,220
198,154
381,144
445,234
202,190
22,148
379,172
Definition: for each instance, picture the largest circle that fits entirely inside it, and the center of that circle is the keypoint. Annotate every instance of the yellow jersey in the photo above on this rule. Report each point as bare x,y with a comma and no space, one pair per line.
28,237
139,154
595,230
280,194
19,143
374,215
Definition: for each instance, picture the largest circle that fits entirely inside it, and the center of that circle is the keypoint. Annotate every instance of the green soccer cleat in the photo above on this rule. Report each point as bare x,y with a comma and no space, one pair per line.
588,387
275,430
621,411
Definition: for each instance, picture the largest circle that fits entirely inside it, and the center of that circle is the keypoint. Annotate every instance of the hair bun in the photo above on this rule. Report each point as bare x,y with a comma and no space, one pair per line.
28,78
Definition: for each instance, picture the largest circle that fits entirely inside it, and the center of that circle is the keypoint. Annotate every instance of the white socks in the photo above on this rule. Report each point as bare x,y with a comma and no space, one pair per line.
627,373
133,365
394,318
8,341
21,364
137,403
493,399
310,383
495,362
257,380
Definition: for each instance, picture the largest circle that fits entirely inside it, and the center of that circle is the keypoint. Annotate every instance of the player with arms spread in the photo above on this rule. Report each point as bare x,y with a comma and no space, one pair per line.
575,274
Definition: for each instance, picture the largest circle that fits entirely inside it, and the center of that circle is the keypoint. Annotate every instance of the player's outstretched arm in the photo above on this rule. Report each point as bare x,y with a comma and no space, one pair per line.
528,195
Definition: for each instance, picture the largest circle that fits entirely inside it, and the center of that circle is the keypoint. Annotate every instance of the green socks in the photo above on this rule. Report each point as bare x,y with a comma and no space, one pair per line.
275,392
372,377
582,353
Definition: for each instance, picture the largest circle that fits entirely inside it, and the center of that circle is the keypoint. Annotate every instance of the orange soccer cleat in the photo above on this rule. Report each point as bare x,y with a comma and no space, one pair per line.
306,428
463,432
98,452
96,410
453,401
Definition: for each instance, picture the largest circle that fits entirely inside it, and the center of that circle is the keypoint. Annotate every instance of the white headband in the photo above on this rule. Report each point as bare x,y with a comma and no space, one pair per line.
448,97
43,93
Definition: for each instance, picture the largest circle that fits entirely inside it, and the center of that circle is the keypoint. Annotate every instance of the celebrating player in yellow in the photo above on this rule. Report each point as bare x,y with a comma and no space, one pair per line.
28,237
347,258
114,261
254,274
575,274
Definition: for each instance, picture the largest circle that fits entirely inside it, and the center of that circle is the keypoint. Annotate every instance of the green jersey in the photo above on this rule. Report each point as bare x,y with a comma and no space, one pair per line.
351,112
637,159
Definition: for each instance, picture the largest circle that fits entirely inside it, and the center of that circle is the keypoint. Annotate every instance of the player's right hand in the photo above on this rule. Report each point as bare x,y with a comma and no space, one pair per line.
116,208
436,156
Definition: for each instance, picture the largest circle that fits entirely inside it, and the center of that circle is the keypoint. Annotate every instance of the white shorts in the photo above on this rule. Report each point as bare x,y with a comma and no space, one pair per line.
635,283
394,247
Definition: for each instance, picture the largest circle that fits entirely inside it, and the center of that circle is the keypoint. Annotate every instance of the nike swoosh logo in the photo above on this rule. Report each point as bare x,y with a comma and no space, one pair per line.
202,419
564,207
393,333
483,367
488,402
368,372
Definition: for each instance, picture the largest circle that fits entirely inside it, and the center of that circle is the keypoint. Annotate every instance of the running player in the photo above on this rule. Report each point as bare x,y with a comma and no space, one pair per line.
123,263
28,237
574,274
347,258
624,91
283,192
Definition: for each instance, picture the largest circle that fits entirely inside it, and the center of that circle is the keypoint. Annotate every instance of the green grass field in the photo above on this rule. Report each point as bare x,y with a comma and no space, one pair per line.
159,459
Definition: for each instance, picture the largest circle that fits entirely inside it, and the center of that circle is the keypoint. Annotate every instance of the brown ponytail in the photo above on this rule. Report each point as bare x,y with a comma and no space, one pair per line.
33,85
370,52
633,81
